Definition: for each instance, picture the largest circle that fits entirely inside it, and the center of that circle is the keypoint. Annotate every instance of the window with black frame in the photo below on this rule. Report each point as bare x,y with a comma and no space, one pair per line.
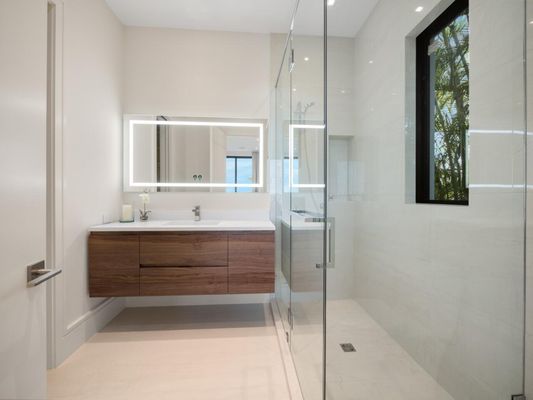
442,108
239,169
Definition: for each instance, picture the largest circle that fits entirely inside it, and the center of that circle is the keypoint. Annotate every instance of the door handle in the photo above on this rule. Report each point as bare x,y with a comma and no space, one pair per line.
37,273
330,239
331,242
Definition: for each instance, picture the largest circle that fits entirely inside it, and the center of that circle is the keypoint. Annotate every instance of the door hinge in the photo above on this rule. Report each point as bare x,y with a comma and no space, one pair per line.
518,397
291,61
290,317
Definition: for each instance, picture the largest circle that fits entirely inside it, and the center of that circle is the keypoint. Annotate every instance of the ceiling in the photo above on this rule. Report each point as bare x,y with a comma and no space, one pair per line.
258,16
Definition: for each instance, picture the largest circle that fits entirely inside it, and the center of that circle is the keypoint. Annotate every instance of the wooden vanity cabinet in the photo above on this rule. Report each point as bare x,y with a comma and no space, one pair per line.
183,263
180,263
183,281
251,262
113,264
161,249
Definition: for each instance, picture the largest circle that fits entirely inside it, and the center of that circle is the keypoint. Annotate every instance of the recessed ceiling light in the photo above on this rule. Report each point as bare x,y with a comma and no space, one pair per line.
531,22
306,58
371,62
419,9
331,3
294,89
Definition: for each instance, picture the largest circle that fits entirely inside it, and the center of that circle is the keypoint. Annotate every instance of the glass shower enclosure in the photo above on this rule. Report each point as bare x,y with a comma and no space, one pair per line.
383,295
304,249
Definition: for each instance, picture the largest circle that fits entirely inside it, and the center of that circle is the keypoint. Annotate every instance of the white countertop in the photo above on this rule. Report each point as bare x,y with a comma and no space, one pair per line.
184,225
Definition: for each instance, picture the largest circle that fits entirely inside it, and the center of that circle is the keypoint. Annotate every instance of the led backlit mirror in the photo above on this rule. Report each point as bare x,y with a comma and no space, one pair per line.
164,153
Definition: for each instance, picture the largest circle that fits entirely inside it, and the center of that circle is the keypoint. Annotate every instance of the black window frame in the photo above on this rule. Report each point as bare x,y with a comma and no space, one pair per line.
423,99
235,159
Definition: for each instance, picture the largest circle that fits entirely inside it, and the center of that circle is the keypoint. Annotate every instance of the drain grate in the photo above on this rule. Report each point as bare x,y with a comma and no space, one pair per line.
347,347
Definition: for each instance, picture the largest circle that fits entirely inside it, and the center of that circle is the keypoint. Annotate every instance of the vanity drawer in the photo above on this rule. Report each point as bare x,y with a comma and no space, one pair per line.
202,249
183,281
251,262
113,264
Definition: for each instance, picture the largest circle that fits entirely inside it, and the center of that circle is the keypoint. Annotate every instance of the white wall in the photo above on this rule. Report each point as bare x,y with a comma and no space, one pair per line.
196,73
445,281
187,73
92,148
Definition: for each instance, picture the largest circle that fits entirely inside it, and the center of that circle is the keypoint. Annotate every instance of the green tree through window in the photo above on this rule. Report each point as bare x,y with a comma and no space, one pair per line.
444,77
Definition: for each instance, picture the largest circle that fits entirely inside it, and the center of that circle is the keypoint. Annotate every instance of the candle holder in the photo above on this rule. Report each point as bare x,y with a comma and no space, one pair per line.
127,213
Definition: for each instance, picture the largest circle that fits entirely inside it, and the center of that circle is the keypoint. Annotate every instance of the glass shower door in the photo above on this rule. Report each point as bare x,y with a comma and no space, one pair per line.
307,187
283,197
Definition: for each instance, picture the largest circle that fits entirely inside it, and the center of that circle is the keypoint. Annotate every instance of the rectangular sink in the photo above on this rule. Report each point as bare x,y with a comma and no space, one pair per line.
192,223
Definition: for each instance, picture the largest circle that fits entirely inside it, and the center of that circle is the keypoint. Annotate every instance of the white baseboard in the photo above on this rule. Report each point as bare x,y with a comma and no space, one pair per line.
81,329
165,301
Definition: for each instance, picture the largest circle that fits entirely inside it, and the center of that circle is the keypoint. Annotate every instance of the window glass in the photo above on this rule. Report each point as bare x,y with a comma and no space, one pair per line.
239,170
444,87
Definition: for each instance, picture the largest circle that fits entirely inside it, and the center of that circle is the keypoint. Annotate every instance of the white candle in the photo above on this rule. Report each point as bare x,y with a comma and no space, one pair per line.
127,212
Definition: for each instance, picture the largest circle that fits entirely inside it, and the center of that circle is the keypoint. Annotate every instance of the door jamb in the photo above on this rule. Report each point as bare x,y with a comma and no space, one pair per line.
54,181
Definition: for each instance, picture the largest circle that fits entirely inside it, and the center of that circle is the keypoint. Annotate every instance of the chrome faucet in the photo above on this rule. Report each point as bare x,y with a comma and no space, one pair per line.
196,211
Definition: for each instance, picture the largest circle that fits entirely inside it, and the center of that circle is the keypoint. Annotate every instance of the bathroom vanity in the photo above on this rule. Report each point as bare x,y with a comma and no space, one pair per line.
161,258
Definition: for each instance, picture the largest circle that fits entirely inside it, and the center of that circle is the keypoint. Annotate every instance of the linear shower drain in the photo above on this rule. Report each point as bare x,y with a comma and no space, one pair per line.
347,347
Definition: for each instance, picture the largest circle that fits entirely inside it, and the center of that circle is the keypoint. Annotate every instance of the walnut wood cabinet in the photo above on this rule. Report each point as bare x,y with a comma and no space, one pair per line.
114,264
180,263
250,262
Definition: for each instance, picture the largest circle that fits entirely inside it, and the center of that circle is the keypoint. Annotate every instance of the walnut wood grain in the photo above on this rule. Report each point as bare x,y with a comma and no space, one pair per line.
183,281
251,262
199,249
113,264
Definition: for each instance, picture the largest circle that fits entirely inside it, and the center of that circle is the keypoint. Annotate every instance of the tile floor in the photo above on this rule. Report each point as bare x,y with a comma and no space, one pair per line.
379,369
190,353
233,352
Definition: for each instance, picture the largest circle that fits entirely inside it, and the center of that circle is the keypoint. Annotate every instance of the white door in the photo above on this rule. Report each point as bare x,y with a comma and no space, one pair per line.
23,35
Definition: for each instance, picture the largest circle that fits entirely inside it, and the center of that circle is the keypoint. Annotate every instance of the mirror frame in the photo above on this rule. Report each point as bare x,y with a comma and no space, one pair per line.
128,149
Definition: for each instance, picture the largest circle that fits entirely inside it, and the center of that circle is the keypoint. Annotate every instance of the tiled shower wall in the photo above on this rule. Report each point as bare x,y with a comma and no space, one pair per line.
446,282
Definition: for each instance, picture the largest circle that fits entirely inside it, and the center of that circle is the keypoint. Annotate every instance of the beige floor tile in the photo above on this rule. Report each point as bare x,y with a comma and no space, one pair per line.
379,369
190,353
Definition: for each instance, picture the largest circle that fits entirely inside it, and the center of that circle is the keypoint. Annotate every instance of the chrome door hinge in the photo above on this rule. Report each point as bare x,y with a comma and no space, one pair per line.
290,317
291,61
